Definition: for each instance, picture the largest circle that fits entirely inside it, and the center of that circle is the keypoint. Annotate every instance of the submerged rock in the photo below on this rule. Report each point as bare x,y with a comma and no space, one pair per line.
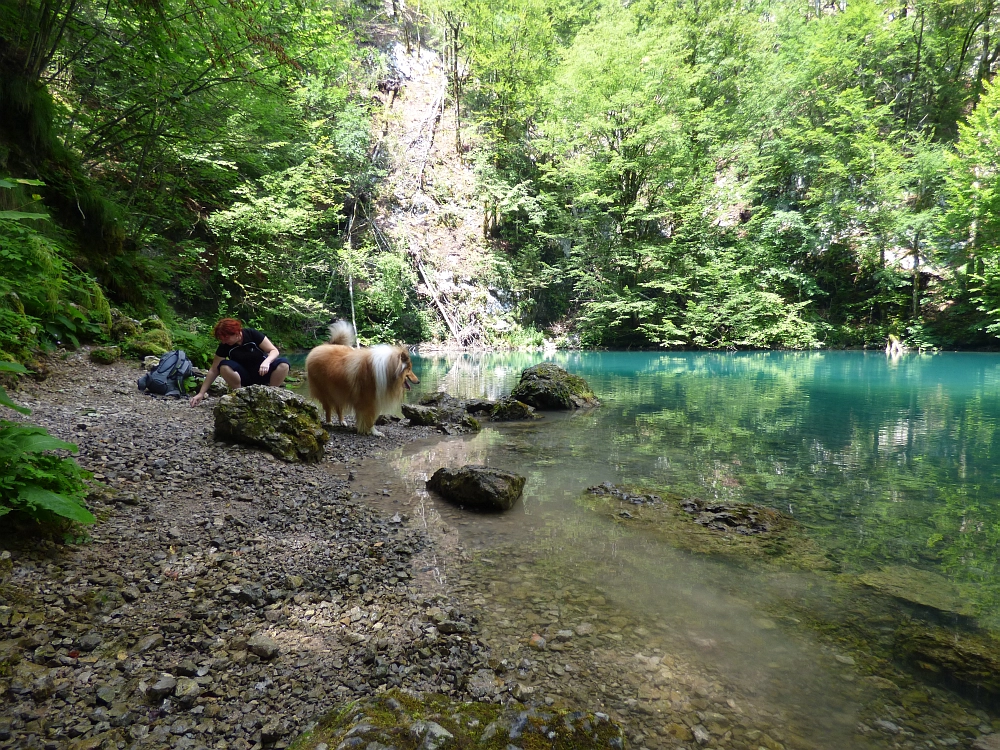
970,660
401,720
920,587
741,518
620,493
735,530
548,386
274,419
478,487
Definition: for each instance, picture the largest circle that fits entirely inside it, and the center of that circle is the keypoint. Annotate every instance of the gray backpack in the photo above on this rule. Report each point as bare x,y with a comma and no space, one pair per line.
168,377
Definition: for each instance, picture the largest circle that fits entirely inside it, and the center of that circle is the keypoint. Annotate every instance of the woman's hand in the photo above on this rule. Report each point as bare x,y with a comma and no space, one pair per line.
197,398
265,366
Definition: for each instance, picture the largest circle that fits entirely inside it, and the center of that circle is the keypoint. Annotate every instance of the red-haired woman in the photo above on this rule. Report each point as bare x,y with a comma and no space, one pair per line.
244,357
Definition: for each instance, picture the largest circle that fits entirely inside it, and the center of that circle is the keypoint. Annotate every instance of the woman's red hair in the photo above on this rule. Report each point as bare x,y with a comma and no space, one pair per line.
227,327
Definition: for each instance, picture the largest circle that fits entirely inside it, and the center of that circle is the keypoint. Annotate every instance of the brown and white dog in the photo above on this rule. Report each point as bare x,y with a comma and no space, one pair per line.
368,381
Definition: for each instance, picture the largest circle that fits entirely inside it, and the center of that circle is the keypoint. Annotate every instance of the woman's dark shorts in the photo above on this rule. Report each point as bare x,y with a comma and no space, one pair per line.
252,378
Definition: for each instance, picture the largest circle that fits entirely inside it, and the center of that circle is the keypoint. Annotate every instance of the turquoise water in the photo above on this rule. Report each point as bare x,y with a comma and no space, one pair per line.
882,462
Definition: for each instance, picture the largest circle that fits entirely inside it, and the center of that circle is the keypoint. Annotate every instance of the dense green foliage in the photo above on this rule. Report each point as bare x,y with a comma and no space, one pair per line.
34,483
769,173
774,173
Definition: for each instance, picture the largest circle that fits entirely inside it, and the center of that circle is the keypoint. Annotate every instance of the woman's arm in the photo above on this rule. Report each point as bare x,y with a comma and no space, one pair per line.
211,377
272,354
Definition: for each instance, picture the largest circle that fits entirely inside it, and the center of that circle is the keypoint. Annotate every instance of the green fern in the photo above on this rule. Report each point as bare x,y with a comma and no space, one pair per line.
33,482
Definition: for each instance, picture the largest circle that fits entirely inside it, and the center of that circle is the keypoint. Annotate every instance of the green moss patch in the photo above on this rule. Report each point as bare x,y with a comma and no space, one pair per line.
150,343
408,721
105,355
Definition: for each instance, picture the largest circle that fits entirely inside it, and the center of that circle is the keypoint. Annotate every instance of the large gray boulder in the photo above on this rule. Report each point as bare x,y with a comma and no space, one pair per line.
478,487
550,387
275,419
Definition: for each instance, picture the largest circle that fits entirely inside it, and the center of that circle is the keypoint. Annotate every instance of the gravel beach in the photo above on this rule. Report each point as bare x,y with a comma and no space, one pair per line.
229,600
225,599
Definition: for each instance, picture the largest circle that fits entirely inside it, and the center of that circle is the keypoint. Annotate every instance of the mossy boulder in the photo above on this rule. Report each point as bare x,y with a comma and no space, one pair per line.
152,323
408,721
478,487
105,355
443,411
420,415
122,326
150,343
275,419
550,387
511,410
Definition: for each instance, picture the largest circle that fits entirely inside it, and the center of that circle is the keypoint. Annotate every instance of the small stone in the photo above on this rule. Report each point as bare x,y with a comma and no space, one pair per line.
154,640
701,735
264,647
989,741
536,642
160,689
89,642
187,691
680,732
886,726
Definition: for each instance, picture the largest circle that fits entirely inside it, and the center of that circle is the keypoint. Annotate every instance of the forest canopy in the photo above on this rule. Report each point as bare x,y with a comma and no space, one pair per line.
781,173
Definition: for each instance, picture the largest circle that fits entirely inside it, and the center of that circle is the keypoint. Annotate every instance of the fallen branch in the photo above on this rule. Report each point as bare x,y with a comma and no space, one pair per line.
444,313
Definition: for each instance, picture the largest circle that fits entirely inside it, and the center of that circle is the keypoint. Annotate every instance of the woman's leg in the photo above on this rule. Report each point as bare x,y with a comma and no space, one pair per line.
278,372
232,373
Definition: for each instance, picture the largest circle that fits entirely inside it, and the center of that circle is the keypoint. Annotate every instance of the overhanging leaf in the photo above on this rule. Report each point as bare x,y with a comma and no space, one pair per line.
21,215
58,504
38,442
5,401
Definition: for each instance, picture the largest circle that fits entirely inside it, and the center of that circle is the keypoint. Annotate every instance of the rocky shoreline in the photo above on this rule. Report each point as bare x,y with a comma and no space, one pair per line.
225,599
230,600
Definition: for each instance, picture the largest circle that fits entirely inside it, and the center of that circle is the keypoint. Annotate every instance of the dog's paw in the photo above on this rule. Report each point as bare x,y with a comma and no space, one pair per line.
376,433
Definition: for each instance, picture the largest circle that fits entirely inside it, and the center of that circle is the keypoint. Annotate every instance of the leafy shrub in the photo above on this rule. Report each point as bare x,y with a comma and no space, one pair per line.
44,300
195,338
34,483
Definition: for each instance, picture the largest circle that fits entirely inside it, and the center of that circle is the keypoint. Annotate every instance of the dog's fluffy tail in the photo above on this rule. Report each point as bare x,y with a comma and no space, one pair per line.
342,332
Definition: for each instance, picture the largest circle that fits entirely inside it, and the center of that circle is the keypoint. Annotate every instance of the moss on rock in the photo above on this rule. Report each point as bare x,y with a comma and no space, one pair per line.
152,323
408,721
150,343
548,386
105,355
275,419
